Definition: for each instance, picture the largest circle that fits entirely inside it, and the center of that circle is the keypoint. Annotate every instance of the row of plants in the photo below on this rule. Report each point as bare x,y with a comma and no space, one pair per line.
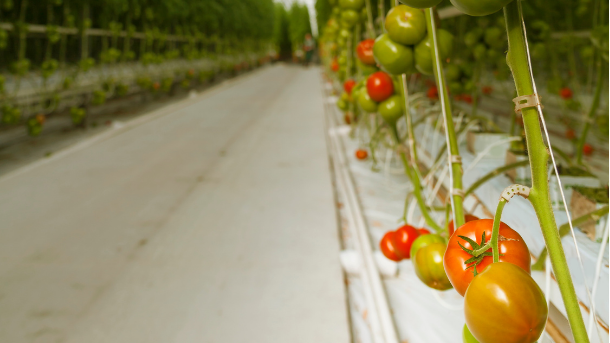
99,49
400,67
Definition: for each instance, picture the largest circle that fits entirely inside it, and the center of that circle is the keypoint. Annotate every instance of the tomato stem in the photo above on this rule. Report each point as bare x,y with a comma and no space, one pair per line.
496,230
518,61
455,172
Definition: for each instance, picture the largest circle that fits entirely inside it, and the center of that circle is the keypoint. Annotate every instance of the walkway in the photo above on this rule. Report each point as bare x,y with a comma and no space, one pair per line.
211,220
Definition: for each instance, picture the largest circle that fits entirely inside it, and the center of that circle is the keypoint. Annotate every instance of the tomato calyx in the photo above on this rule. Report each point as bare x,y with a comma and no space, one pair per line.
478,252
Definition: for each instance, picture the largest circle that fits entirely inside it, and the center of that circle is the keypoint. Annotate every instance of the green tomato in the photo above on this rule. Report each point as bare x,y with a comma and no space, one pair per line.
391,109
406,25
350,17
355,5
428,265
344,33
425,240
342,60
493,55
494,37
455,87
452,72
394,58
467,337
479,51
472,37
365,101
423,53
397,83
479,8
421,3
336,12
342,104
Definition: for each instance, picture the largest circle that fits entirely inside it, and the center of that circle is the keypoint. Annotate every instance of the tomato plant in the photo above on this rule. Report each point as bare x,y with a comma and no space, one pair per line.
405,25
364,51
361,154
379,86
504,304
387,246
403,239
460,264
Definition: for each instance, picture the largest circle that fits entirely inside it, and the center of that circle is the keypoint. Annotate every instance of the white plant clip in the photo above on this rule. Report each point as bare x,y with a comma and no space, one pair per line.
525,101
512,190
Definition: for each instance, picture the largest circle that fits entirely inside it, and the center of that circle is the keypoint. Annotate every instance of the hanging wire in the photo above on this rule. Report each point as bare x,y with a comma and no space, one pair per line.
548,140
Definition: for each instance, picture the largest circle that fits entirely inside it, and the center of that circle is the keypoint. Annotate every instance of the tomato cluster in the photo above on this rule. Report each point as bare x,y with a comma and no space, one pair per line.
396,245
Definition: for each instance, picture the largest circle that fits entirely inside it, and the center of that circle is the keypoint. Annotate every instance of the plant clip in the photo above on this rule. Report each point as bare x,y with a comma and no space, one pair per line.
525,101
513,190
458,192
455,159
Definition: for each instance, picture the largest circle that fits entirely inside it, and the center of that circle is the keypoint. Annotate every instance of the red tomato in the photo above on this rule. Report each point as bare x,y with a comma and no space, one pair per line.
565,93
387,246
156,86
487,90
570,134
432,92
347,118
403,239
587,149
364,51
423,231
467,98
379,85
349,85
512,249
334,65
361,154
467,218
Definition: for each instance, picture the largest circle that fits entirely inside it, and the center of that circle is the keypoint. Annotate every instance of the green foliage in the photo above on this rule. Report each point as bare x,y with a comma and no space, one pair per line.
298,23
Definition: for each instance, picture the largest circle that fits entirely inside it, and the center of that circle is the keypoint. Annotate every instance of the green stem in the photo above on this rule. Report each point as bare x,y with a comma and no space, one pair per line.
565,229
495,231
456,168
594,105
518,61
370,27
414,177
493,174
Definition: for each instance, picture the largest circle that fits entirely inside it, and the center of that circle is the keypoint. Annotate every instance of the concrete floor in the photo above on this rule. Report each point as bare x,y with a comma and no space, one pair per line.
211,220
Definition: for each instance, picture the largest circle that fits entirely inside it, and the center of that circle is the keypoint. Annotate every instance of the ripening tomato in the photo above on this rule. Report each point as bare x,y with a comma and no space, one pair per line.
487,90
349,85
587,149
40,118
387,246
511,246
565,93
424,240
364,51
478,8
503,304
379,86
570,134
361,154
432,93
467,218
334,65
428,265
403,239
467,98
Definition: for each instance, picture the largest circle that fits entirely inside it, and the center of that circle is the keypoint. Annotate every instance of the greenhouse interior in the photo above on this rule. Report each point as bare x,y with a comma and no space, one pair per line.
307,171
